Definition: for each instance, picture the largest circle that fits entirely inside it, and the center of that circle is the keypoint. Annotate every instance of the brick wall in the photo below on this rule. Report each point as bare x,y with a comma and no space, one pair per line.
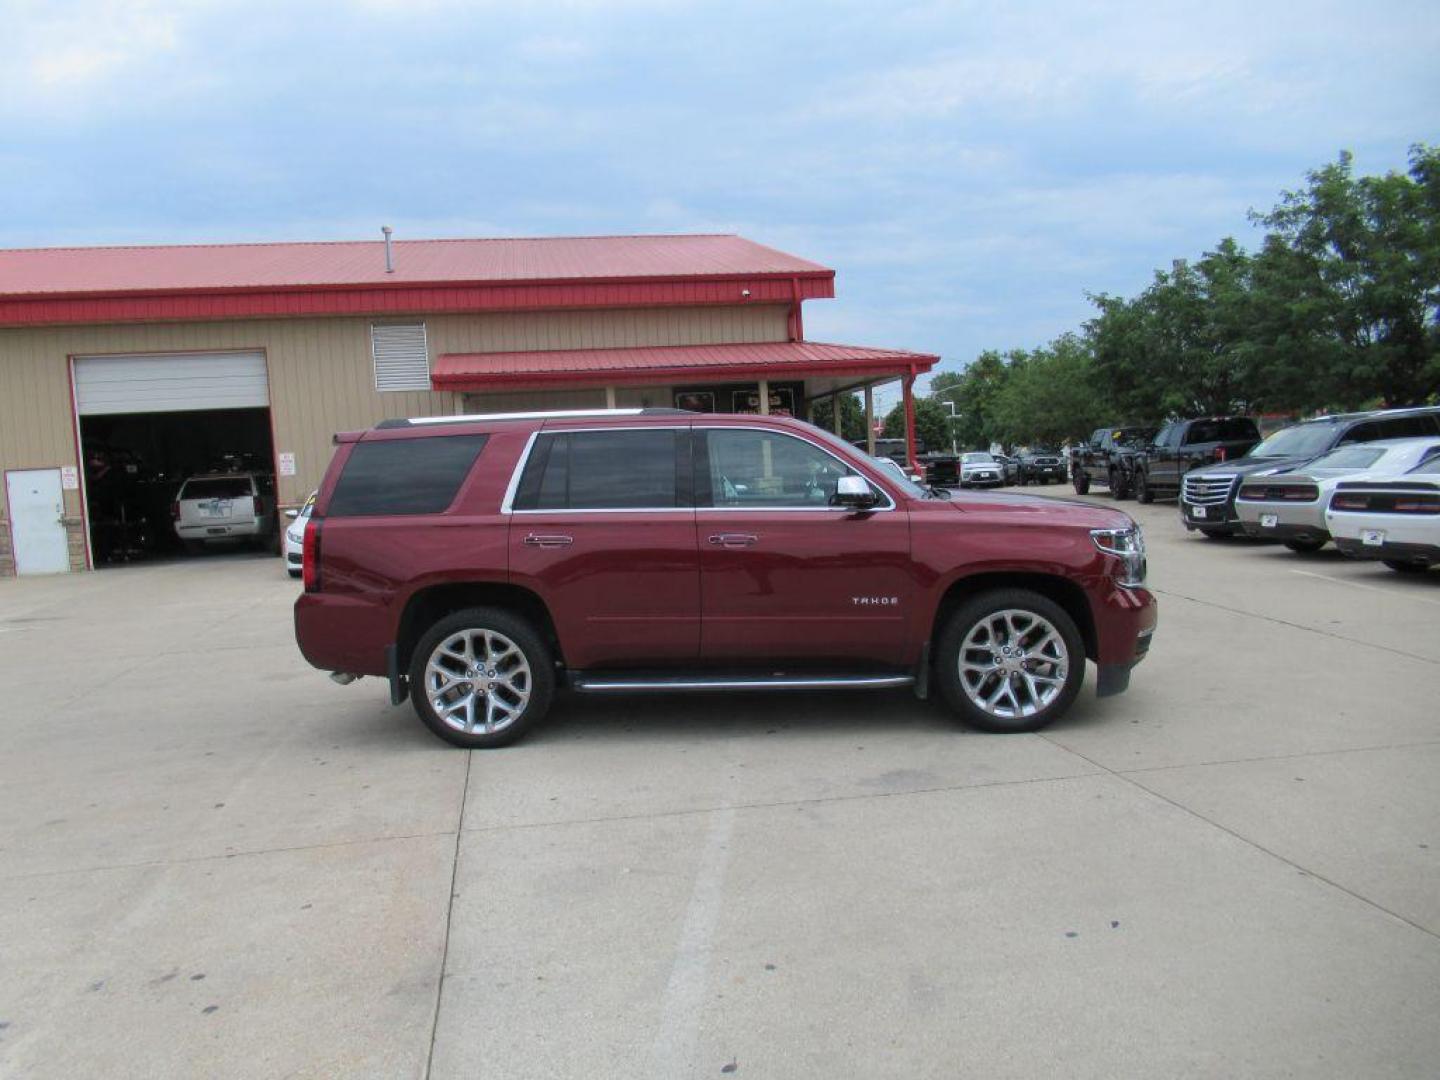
74,541
7,557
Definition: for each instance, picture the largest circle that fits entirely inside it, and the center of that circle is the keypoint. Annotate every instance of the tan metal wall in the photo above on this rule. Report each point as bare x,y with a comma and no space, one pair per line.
321,376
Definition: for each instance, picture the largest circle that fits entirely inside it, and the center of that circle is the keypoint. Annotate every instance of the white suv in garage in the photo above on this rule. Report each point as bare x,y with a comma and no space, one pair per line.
224,507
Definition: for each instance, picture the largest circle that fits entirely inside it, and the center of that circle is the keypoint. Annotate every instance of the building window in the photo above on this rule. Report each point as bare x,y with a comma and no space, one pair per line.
402,357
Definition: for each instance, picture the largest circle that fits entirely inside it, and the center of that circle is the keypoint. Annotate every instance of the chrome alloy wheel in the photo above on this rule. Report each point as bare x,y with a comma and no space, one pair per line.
1013,664
478,681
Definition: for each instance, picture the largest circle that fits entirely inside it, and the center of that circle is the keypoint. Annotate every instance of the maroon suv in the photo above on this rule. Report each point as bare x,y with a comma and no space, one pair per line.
481,562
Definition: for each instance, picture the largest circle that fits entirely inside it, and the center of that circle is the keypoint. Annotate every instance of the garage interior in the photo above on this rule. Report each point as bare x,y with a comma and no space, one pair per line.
146,424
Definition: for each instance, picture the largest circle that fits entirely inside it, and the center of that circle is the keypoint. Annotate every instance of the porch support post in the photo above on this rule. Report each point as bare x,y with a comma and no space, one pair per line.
610,397
870,419
835,412
908,389
764,397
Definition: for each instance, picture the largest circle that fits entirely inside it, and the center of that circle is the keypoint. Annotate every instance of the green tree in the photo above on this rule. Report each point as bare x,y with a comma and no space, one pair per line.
974,392
1363,255
852,417
1051,396
932,424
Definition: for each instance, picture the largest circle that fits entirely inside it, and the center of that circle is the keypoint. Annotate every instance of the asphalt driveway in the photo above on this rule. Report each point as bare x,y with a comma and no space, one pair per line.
215,862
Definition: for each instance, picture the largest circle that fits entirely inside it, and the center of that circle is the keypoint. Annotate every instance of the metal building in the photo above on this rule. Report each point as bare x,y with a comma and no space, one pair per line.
122,370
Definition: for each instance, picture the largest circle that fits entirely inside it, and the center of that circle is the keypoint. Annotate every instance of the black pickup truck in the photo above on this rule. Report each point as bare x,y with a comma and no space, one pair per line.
1109,458
1183,445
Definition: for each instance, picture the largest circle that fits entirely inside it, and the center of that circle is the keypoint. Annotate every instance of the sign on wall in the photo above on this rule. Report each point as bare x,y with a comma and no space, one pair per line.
69,478
286,463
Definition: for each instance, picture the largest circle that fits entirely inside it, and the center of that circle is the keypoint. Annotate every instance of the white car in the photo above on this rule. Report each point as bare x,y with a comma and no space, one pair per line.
294,541
223,507
980,469
894,468
1396,519
1290,506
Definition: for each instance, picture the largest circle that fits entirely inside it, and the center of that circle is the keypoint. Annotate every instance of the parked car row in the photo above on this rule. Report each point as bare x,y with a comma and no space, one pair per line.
981,468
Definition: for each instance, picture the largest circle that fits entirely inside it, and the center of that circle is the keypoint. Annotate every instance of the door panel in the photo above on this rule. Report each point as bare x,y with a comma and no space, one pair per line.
623,588
37,528
785,577
602,529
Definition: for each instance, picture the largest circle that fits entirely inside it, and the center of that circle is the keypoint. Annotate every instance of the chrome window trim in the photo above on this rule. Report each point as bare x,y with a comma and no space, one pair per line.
507,503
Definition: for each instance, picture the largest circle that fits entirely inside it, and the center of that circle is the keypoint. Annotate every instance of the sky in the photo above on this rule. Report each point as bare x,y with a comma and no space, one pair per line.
970,170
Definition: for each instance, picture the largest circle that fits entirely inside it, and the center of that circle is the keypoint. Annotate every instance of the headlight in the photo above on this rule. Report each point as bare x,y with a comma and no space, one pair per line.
1127,545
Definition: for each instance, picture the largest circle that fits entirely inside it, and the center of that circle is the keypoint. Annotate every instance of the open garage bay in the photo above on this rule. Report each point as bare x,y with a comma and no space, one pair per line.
213,861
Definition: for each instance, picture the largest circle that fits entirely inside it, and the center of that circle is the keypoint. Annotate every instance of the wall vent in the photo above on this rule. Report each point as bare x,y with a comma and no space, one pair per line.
402,356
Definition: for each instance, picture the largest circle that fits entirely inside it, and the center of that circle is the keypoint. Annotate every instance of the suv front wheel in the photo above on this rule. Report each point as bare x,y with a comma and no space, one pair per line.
1010,660
480,677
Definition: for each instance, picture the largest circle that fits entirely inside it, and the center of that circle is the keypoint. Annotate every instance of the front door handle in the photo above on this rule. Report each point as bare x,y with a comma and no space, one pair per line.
552,540
734,540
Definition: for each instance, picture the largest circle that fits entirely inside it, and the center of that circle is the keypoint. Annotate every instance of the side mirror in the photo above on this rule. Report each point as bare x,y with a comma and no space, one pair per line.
855,493
292,514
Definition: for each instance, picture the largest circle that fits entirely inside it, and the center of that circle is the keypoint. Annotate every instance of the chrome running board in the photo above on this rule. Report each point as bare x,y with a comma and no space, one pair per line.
641,683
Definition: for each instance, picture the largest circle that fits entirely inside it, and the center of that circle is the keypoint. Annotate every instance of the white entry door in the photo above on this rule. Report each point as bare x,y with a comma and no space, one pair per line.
37,531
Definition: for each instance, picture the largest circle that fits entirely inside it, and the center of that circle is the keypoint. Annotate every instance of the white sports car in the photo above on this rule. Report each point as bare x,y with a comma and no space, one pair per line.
1290,506
293,543
1396,520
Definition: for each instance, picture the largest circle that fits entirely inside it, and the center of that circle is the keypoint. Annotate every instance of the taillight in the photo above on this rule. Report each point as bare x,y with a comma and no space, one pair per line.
259,506
1420,505
310,556
1349,502
1220,453
175,510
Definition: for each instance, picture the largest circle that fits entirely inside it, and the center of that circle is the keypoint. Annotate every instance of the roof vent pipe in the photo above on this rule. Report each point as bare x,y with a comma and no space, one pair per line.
389,262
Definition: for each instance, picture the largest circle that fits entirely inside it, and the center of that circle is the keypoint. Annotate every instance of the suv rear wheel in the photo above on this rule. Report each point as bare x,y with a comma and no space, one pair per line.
1081,480
480,677
1143,494
1010,660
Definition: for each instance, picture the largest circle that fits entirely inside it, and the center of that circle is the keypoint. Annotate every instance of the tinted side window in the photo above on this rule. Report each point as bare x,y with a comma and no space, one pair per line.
1361,433
765,469
1406,427
602,470
404,476
1222,431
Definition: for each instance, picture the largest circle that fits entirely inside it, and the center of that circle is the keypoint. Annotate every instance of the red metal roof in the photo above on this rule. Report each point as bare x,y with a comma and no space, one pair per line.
669,363
209,267
237,281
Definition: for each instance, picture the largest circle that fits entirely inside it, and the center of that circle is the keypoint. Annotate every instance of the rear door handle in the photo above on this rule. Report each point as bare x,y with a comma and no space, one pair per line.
553,540
734,540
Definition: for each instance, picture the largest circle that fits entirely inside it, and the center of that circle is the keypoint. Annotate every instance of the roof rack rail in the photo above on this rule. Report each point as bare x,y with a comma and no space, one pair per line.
556,414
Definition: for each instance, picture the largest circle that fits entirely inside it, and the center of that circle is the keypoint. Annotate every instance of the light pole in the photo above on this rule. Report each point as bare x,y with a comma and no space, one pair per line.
953,417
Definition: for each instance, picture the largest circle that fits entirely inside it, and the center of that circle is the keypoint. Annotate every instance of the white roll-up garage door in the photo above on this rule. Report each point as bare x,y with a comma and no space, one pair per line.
174,382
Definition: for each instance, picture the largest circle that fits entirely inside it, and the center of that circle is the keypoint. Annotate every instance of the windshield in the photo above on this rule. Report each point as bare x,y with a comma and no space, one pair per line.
979,458
892,470
1134,436
1302,440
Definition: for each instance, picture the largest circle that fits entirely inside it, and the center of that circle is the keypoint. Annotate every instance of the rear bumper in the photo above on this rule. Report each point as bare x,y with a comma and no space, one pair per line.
227,530
1284,531
342,633
1045,472
1398,551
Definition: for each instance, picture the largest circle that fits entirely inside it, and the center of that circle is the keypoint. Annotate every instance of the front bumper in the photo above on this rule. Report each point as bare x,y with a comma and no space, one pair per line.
1125,626
1215,517
988,480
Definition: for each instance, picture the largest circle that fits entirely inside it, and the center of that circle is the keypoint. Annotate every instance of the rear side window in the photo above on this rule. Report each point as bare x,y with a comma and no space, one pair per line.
1232,430
603,470
1406,427
404,476
220,487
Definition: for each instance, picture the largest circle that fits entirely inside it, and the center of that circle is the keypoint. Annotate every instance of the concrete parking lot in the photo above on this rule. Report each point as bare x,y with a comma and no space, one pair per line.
215,862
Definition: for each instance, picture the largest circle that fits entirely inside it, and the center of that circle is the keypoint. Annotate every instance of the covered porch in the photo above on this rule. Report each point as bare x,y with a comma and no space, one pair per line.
768,378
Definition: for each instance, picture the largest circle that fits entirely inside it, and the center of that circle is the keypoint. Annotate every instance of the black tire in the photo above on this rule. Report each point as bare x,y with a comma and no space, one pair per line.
972,612
1081,482
1118,488
193,547
530,644
292,573
1406,567
1305,547
1143,494
1215,534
